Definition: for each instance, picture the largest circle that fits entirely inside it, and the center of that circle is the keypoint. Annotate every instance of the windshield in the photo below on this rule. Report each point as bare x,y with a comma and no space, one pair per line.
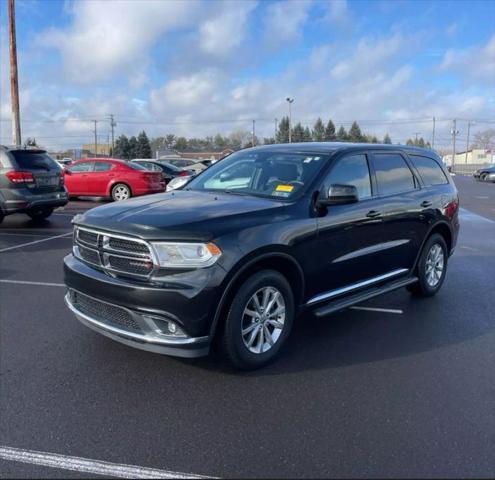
267,174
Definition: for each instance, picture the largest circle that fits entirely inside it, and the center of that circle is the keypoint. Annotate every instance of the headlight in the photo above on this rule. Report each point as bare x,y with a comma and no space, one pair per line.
184,255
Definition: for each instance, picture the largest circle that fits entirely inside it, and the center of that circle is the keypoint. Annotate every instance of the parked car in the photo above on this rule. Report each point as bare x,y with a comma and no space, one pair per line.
64,161
167,170
258,238
31,182
120,180
189,164
485,174
179,182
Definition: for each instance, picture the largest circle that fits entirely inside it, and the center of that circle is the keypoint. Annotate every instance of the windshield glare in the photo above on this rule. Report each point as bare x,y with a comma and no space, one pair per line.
268,174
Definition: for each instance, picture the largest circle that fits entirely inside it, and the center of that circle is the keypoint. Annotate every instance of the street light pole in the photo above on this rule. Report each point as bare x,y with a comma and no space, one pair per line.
467,141
290,101
14,82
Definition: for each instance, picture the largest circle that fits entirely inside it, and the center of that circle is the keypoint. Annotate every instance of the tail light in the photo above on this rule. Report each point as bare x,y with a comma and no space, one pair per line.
20,177
184,173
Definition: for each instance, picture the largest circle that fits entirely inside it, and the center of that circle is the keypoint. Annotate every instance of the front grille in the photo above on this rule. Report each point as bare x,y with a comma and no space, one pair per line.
103,312
113,253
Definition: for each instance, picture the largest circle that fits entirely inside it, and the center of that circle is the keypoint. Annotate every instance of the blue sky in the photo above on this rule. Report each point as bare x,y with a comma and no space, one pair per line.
200,67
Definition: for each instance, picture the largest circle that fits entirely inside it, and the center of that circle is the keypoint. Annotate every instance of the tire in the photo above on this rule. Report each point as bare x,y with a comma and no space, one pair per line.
120,191
234,344
38,214
2,216
430,281
483,177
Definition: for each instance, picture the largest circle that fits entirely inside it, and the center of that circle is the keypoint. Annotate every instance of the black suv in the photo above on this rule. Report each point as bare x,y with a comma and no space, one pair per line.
30,182
256,239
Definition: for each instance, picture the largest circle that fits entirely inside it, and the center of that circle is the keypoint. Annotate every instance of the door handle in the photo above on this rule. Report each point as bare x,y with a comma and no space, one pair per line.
426,203
373,214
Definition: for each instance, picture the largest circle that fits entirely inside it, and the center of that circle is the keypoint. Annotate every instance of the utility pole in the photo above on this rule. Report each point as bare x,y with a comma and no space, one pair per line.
290,101
467,141
112,125
96,137
253,133
416,140
14,81
433,135
454,134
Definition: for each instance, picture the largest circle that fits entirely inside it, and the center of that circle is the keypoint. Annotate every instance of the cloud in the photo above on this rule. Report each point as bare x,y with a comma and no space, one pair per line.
225,31
474,64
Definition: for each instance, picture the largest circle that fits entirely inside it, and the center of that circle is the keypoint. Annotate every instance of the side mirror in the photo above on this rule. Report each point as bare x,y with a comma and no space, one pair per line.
67,171
338,195
225,176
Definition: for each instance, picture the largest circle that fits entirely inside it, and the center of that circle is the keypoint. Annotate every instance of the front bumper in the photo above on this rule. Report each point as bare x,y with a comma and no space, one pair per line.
188,300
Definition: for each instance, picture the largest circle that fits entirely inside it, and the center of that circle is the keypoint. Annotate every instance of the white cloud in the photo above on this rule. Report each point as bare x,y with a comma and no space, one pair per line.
473,63
452,29
225,31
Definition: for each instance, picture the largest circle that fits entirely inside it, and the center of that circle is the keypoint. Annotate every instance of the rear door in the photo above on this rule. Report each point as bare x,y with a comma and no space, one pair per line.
100,178
400,195
46,172
76,178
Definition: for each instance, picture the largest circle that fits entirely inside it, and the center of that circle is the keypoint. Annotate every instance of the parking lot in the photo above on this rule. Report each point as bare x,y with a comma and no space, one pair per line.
395,387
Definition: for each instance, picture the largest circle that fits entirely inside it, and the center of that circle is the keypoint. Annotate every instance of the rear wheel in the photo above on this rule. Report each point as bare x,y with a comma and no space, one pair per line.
2,216
40,213
259,320
432,267
120,192
483,177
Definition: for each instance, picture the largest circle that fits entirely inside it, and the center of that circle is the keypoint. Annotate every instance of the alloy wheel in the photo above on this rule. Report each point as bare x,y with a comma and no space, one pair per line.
435,262
121,192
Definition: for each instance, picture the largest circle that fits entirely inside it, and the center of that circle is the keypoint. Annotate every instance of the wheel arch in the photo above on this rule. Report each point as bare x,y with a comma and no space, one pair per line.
281,262
445,231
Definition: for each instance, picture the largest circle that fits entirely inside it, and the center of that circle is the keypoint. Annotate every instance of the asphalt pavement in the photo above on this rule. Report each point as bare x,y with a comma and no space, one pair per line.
406,392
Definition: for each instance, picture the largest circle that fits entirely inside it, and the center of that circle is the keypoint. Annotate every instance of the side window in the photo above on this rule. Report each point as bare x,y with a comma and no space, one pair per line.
429,169
81,167
392,174
102,167
352,170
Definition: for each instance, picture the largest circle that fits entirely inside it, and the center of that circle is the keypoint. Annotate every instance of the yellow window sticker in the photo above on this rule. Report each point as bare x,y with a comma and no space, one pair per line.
284,188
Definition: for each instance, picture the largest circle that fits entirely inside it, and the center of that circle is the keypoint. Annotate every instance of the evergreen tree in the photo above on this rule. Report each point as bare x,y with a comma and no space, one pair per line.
318,131
342,134
409,142
298,133
307,135
374,139
133,148
387,139
355,134
121,148
143,149
421,142
330,132
268,141
220,141
181,143
283,131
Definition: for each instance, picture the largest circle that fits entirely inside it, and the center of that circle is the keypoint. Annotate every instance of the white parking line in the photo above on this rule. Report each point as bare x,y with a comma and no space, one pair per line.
24,234
26,282
384,310
35,241
97,467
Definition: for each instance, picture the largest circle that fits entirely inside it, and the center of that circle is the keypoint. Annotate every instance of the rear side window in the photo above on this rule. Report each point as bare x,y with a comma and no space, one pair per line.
430,170
81,167
393,175
135,166
34,160
102,167
352,170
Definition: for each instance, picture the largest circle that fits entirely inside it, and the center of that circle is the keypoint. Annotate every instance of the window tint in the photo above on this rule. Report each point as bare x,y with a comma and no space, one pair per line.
134,166
81,167
27,160
102,166
392,174
352,170
429,169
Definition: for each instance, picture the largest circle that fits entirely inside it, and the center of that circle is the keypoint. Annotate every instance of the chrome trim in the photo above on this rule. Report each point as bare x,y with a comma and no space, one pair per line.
372,249
355,286
149,337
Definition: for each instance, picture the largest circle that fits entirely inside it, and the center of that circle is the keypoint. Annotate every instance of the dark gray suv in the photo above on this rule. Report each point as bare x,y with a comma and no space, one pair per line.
31,182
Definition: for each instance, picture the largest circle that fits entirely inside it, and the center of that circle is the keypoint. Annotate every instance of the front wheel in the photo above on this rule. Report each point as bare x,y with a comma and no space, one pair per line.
432,267
120,192
259,320
40,213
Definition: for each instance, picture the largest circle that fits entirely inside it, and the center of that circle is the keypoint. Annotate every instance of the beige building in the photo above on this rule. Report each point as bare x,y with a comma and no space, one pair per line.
103,149
473,156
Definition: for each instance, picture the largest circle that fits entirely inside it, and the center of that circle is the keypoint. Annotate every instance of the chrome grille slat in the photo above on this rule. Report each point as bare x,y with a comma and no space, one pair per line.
114,253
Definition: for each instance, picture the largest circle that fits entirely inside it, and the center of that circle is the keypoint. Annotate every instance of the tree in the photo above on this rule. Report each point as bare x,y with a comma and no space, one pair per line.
355,134
374,139
143,148
409,142
485,139
133,148
307,135
318,131
170,140
220,141
298,133
122,148
283,131
269,141
342,134
181,143
387,139
330,132
31,142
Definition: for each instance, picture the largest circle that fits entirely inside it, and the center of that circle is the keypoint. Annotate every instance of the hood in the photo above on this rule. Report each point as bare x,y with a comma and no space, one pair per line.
183,214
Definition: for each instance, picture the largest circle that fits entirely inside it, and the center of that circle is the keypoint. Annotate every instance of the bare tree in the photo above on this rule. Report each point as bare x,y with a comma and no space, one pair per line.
485,139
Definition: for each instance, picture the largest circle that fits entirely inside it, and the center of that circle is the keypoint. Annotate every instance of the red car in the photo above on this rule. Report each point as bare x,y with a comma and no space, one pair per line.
98,177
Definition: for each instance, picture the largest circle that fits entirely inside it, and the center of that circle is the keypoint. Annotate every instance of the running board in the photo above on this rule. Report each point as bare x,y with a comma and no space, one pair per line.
347,302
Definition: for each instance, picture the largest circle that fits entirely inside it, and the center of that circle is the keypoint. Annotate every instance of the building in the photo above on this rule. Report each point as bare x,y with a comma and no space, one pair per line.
103,150
475,156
